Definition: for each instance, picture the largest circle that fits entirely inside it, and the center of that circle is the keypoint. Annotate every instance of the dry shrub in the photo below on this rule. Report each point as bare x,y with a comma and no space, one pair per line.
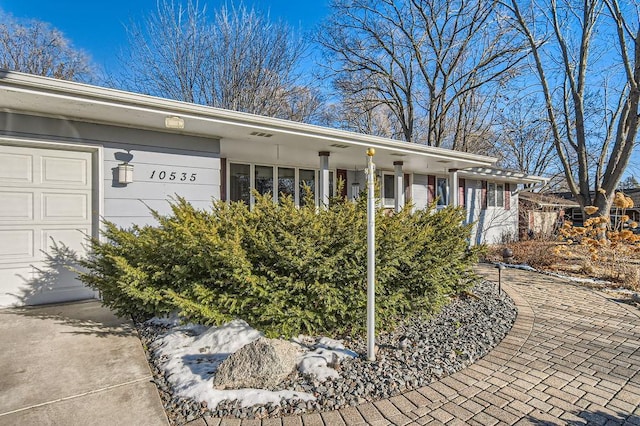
538,254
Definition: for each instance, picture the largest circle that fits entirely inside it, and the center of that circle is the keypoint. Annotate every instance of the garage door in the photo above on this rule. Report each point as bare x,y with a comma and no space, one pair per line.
45,199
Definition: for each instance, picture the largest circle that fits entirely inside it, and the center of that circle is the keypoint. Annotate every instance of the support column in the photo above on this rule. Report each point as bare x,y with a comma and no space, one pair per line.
323,180
398,190
453,187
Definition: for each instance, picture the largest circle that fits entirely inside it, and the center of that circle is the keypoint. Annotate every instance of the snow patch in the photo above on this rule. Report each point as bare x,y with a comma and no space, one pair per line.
193,353
320,362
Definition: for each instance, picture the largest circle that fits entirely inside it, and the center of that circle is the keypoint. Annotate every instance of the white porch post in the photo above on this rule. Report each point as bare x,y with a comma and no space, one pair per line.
323,189
399,185
453,187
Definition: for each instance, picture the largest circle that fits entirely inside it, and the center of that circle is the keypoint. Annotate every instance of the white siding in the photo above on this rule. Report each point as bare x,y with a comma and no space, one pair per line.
78,163
493,224
419,191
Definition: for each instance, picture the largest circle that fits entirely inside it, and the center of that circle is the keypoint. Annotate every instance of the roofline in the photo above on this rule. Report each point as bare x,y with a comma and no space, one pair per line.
502,174
120,98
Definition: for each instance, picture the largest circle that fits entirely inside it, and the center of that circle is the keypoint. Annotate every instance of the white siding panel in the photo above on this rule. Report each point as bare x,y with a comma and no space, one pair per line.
420,191
492,224
157,178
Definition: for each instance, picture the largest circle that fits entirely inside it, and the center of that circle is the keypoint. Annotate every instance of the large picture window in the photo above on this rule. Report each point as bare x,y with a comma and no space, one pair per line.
264,179
275,180
307,180
240,182
286,182
442,192
388,191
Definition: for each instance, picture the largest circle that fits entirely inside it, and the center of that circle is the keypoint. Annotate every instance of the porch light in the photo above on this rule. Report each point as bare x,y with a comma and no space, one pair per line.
125,173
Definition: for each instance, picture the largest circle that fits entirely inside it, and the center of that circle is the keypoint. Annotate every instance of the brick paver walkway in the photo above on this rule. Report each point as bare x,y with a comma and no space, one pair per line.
572,357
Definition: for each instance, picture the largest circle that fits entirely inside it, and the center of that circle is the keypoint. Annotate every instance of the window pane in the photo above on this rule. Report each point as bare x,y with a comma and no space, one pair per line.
491,194
499,195
308,178
442,192
286,182
264,179
240,182
387,186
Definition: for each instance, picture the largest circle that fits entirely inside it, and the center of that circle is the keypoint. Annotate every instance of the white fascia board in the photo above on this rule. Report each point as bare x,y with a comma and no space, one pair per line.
118,99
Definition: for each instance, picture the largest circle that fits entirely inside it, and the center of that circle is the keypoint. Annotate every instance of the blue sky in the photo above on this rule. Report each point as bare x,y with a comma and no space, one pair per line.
97,27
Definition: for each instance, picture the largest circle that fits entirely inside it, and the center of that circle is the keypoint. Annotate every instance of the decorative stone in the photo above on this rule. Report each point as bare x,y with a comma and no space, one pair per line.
260,364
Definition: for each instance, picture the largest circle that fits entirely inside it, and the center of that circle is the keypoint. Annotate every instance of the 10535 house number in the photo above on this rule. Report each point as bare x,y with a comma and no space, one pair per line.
172,175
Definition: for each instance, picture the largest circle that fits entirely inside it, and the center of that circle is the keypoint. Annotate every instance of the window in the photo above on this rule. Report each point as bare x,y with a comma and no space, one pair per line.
495,194
240,182
286,183
264,179
388,192
307,183
442,192
279,181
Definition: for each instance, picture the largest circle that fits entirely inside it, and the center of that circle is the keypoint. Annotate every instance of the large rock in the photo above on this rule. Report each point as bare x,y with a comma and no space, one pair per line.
260,364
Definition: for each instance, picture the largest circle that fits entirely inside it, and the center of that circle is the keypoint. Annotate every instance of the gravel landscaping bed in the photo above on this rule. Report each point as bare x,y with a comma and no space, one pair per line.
415,354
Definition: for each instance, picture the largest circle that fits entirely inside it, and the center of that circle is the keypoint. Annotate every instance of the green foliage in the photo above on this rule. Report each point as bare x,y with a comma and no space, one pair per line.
284,269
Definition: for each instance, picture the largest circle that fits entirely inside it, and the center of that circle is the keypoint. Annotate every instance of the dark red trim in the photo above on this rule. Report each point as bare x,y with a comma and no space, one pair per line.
507,196
407,187
223,179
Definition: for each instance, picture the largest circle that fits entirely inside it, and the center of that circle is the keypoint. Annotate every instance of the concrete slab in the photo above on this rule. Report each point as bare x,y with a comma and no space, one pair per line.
74,364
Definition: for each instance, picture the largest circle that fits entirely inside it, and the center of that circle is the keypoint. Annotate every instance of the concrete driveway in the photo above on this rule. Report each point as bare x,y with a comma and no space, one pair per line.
74,364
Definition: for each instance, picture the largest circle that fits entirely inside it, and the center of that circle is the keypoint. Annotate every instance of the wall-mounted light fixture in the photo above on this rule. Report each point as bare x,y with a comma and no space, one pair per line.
174,123
125,173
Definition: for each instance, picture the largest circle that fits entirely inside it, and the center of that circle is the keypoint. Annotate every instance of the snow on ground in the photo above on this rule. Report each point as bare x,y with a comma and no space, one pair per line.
192,353
526,267
318,363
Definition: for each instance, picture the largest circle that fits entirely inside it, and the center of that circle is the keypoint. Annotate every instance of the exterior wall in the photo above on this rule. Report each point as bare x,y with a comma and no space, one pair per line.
419,191
194,162
492,224
165,165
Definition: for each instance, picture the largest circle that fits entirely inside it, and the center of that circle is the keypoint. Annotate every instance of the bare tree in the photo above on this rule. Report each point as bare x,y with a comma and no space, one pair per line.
238,60
586,56
524,141
429,62
35,47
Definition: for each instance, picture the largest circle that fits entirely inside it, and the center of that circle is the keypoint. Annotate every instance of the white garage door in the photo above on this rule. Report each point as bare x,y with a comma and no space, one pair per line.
45,197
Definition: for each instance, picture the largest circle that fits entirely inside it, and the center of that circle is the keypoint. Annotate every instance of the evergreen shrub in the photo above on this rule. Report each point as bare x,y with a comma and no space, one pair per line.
284,269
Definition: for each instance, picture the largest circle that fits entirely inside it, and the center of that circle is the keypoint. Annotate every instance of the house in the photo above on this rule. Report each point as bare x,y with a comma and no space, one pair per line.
575,215
540,215
72,154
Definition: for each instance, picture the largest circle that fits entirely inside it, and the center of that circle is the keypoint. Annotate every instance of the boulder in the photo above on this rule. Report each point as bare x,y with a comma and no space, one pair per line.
260,364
